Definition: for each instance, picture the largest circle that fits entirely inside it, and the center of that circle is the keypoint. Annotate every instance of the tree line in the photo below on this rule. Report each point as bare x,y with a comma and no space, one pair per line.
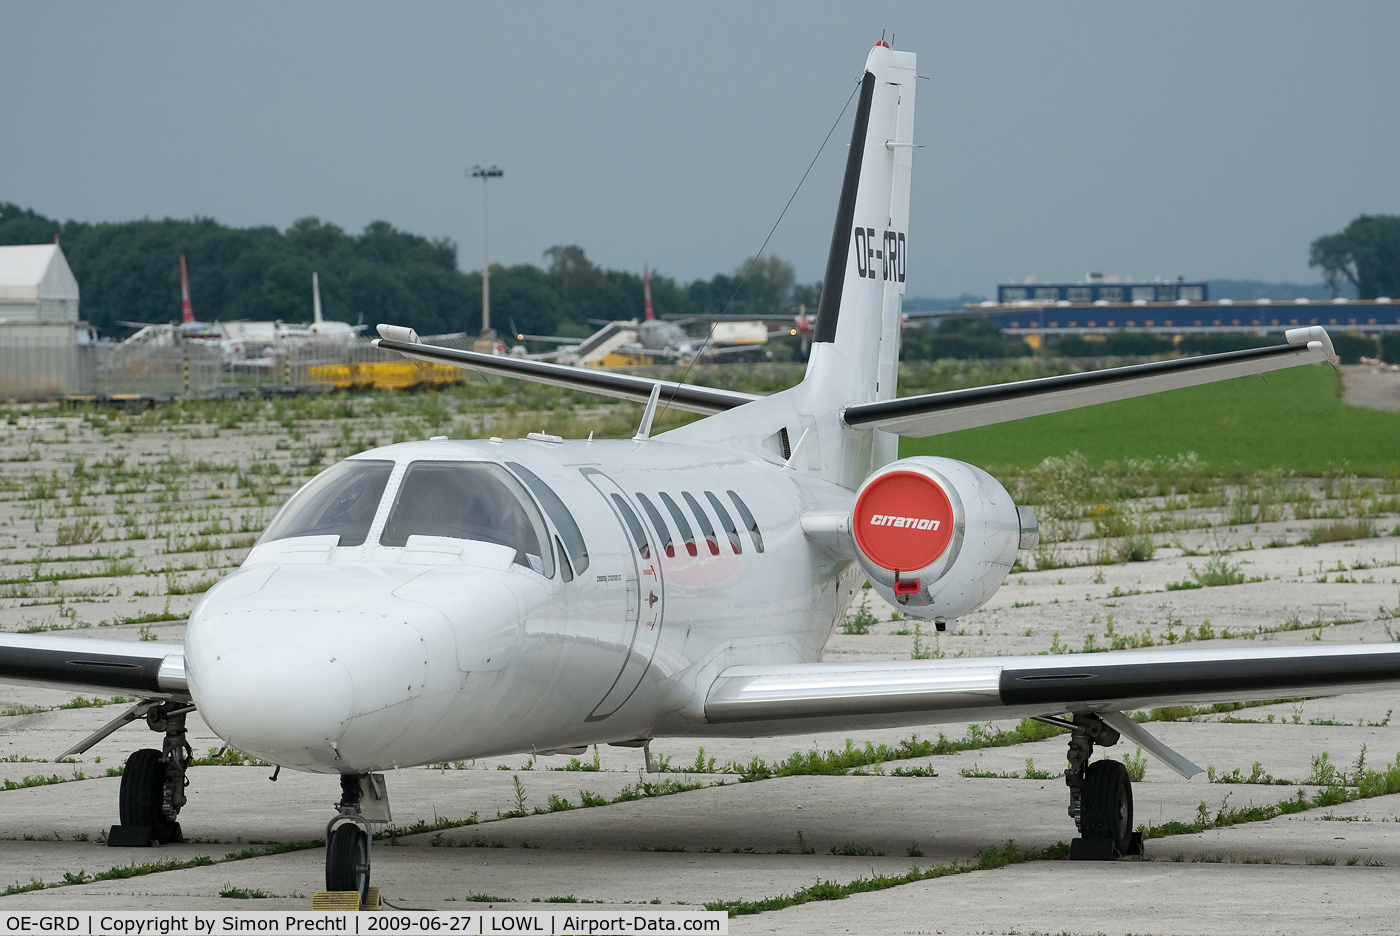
1366,254
129,271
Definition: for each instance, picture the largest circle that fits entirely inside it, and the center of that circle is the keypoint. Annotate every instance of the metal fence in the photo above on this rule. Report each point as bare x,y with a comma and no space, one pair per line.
38,370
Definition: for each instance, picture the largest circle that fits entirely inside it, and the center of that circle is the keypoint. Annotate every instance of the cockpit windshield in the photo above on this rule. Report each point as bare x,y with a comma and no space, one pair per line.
340,500
469,500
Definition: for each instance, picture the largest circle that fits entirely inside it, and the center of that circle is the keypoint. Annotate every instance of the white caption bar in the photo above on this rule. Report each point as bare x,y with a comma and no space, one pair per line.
406,923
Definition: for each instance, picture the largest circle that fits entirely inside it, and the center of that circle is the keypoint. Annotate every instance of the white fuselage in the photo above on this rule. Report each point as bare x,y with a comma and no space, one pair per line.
359,658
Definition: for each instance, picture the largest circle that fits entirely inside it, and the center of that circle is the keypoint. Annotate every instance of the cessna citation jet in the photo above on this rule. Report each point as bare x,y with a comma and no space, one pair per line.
443,600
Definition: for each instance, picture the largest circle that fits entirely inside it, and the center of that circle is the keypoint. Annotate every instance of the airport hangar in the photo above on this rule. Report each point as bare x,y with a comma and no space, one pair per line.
1035,311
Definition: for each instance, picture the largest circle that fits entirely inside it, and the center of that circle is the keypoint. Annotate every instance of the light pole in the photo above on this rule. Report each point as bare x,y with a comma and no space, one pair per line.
485,174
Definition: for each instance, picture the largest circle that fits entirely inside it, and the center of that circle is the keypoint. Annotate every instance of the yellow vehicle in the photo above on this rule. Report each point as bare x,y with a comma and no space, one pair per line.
385,375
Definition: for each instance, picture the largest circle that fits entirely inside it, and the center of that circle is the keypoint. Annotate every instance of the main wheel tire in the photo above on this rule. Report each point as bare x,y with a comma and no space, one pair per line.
347,860
142,798
1107,803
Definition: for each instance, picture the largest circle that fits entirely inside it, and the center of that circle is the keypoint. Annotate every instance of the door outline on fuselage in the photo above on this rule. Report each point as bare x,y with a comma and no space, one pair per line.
644,613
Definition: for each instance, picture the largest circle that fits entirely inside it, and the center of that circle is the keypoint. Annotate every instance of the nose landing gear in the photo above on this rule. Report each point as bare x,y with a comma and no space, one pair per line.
349,835
1100,794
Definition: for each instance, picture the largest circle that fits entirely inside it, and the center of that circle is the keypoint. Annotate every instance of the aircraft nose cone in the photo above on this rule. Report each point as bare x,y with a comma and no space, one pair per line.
266,702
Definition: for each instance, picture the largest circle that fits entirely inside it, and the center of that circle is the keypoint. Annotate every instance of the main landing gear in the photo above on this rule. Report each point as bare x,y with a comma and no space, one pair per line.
153,783
1100,794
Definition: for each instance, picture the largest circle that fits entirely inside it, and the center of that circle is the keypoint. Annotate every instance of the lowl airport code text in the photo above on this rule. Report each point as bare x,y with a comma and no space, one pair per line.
364,924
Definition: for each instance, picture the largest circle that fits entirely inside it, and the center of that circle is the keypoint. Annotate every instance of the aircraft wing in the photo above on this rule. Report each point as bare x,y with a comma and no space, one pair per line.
834,696
727,317
688,397
717,348
549,338
934,413
146,668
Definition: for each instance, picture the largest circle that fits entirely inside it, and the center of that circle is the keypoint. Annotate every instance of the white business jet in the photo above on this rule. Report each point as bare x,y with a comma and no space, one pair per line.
441,600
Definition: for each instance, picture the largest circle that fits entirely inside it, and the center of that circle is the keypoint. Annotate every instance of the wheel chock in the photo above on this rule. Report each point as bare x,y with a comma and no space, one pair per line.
130,836
1082,849
335,900
345,900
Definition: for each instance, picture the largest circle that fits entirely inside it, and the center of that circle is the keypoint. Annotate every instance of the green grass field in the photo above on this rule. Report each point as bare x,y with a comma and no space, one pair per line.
1295,421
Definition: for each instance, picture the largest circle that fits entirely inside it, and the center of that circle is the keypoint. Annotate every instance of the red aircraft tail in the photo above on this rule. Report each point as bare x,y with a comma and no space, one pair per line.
646,291
185,307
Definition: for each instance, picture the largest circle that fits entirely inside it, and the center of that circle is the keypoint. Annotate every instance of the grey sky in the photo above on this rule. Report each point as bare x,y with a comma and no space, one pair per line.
1203,139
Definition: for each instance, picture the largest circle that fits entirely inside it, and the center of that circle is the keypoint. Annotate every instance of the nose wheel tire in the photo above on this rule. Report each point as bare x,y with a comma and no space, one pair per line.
1108,804
347,860
142,798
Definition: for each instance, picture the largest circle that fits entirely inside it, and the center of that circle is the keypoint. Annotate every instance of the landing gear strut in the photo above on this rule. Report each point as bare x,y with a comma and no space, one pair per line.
153,783
348,838
1100,794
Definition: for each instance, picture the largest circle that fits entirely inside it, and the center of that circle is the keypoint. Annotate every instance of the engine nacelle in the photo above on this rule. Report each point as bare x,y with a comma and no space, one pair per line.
937,536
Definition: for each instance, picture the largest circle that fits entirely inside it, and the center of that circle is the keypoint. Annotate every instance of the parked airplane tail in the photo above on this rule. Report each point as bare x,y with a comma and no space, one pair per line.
646,292
186,310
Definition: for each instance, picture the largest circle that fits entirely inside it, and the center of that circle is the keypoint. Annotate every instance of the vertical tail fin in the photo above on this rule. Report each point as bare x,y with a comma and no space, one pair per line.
646,291
186,310
856,340
315,298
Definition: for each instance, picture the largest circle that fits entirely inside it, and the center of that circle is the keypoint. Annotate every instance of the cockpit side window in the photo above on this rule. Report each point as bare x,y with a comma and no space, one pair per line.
682,523
469,500
569,533
341,500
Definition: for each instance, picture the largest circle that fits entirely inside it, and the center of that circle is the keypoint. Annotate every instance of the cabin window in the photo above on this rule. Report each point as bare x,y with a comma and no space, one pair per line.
727,522
569,533
748,519
341,500
682,523
469,500
657,521
704,520
634,526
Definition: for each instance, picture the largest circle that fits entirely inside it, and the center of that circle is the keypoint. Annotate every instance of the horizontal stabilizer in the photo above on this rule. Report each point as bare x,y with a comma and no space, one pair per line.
688,397
934,413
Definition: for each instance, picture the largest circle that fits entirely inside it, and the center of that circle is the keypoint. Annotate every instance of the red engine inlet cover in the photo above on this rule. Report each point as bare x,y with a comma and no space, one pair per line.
903,521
